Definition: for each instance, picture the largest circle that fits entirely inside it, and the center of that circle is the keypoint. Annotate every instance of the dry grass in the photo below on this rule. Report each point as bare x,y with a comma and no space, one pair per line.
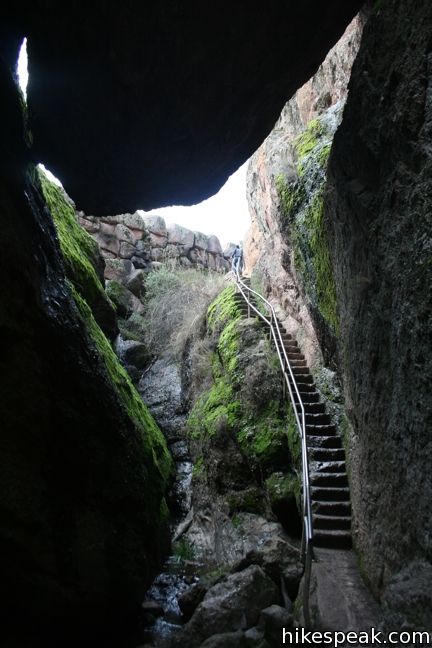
176,303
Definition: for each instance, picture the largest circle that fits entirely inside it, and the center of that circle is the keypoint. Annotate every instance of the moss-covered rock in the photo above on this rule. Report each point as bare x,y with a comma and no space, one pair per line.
84,519
302,206
245,399
83,262
133,328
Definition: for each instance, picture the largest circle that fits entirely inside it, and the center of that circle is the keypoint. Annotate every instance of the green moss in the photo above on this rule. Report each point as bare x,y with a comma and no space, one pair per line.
305,143
223,309
324,279
282,486
323,155
291,196
153,442
183,550
199,468
78,248
294,441
133,328
250,500
263,438
215,409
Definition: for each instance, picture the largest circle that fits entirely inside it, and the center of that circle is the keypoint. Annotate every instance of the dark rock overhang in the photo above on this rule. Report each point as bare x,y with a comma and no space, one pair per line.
138,105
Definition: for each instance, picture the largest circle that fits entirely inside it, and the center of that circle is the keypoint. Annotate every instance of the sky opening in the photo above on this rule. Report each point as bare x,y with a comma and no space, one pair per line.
22,68
225,214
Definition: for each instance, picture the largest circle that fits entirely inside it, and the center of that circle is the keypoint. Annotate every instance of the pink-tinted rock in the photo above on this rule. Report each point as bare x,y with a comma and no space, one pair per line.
180,236
214,245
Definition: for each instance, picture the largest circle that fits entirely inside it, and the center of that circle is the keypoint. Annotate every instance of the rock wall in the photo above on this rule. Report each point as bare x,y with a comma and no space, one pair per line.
379,203
269,246
344,247
143,241
84,468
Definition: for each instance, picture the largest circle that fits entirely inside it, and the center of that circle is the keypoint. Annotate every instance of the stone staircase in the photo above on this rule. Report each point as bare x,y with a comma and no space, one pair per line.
330,497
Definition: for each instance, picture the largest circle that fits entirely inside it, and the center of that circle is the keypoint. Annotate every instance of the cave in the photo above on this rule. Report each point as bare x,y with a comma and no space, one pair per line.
142,106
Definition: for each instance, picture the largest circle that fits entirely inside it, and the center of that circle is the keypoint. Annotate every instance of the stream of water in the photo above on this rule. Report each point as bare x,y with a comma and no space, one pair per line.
163,617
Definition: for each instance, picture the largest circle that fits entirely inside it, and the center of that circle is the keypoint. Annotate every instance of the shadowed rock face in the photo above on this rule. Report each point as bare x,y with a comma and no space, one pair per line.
379,221
137,105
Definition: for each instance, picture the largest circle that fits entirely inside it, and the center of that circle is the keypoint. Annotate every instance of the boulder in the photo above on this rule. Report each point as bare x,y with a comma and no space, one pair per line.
134,221
233,604
108,243
275,619
155,225
133,328
123,233
157,241
229,249
179,235
190,599
91,225
124,301
161,389
225,640
118,269
409,594
201,241
132,353
276,556
126,250
214,245
136,283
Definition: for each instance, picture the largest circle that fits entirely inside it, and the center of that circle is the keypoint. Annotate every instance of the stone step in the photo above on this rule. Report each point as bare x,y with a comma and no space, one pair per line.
322,441
308,396
297,362
331,522
304,379
326,454
329,479
334,539
330,493
317,418
294,355
301,372
293,347
321,430
329,466
312,408
332,509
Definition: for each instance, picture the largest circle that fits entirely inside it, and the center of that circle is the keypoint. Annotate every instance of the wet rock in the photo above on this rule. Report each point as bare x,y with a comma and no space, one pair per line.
277,557
190,599
152,607
225,640
132,353
161,389
274,619
253,636
409,594
233,604
124,300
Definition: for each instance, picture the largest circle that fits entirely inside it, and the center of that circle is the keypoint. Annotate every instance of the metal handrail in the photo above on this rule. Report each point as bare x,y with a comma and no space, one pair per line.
307,538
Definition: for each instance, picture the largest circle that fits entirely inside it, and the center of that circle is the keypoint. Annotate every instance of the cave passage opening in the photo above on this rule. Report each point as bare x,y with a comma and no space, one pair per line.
225,214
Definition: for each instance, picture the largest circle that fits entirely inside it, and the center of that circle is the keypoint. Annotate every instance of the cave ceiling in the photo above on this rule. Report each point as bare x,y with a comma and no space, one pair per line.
144,104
